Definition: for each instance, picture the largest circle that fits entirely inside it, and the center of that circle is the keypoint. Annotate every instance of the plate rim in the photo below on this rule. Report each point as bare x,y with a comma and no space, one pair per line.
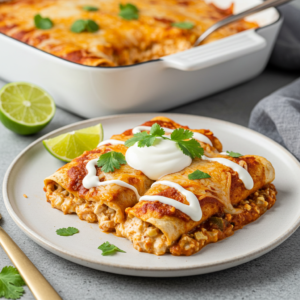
220,265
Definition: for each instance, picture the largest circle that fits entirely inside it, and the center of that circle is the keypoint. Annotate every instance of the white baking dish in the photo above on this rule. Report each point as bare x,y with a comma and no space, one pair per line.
152,86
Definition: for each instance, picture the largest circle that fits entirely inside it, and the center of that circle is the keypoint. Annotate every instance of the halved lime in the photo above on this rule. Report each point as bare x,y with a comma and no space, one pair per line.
25,108
70,145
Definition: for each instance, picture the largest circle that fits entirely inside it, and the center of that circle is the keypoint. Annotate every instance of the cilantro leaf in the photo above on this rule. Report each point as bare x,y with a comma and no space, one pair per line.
109,249
147,141
183,25
110,161
42,23
128,11
156,130
136,138
198,175
84,25
234,154
191,148
67,231
11,283
181,134
90,8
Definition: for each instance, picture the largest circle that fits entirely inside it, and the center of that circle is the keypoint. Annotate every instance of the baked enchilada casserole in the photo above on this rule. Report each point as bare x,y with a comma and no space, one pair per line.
173,190
113,33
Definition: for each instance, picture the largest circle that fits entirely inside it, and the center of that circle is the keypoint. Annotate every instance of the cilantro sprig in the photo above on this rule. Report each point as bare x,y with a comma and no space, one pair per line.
233,154
110,161
11,283
183,25
90,8
84,25
42,23
109,249
198,175
129,11
67,231
182,137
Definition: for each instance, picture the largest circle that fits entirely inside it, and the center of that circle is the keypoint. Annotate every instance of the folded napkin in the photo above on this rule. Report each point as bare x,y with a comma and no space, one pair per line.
278,117
286,53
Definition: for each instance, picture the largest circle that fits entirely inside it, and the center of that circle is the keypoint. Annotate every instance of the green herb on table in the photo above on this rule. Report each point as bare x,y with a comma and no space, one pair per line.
183,25
233,154
67,231
84,25
110,161
129,11
90,8
109,249
198,175
11,283
182,137
42,23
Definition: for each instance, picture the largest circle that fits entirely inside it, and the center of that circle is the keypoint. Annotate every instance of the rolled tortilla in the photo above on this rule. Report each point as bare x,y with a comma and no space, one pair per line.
153,226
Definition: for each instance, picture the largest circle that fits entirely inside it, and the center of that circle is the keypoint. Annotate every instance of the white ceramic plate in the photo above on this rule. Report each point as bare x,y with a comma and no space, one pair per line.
39,221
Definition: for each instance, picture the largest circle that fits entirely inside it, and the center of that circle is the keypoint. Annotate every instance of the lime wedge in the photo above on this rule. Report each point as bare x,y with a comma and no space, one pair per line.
25,108
70,145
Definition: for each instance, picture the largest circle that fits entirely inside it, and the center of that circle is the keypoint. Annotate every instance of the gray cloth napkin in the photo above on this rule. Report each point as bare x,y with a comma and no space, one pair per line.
278,117
286,53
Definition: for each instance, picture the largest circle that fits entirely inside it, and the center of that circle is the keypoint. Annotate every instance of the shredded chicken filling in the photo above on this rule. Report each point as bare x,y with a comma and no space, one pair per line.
147,238
90,211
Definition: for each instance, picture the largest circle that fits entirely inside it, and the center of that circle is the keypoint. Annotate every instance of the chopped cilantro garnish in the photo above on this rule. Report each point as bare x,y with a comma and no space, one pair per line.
129,11
42,23
233,154
183,25
90,8
84,25
198,175
110,161
109,249
67,231
11,283
182,137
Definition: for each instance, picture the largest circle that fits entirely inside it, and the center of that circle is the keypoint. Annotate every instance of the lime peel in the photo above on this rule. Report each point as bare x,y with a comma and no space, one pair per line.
68,146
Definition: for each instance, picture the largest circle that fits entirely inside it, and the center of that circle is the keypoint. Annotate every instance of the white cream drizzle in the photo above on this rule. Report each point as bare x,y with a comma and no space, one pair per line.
243,174
92,180
198,136
193,210
163,158
113,142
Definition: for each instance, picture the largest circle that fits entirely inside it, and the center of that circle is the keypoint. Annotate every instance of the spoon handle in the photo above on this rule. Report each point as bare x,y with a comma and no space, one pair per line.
39,286
266,4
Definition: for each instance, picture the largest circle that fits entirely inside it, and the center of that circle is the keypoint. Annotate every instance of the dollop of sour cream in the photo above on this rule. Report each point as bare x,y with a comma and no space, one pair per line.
163,158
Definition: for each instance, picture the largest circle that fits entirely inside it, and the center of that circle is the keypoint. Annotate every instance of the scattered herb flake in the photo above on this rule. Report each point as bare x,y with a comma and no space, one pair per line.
183,25
11,283
42,23
198,175
109,249
84,25
67,231
110,161
233,154
90,8
129,11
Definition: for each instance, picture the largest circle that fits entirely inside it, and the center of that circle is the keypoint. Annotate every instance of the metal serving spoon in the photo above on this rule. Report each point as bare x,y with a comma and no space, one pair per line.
266,4
39,286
